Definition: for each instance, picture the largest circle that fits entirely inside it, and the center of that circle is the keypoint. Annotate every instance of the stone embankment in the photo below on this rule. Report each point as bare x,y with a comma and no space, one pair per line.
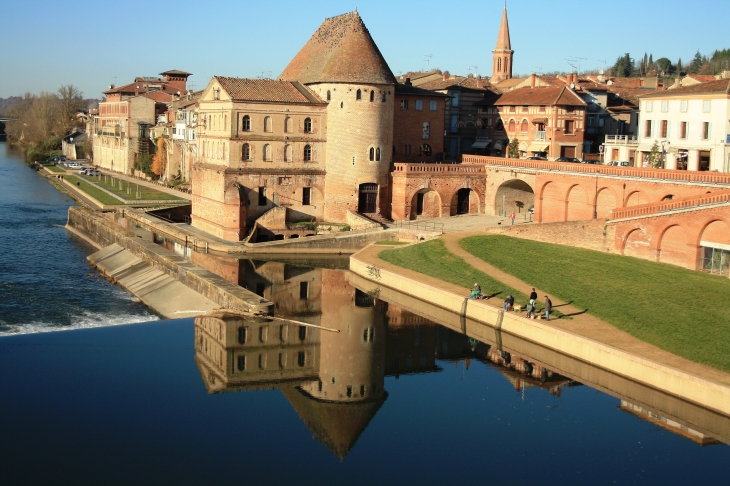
711,389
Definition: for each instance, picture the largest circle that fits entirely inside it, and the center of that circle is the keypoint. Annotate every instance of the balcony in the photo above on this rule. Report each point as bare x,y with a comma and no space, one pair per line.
540,135
621,140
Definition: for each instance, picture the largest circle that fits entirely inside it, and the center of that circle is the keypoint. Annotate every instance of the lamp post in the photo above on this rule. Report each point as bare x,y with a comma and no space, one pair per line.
595,198
664,153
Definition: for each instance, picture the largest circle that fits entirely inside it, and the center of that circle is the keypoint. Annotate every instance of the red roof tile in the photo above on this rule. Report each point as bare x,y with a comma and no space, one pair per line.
540,96
457,82
245,89
341,51
720,86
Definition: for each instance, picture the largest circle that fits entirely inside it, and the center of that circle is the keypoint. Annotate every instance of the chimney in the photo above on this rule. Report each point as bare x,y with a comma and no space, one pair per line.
408,82
532,80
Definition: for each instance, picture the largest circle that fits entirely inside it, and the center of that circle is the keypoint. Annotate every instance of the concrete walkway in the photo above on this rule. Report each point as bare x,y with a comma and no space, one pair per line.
581,324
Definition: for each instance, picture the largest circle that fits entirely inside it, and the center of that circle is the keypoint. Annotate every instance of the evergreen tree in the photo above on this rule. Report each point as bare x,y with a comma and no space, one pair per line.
679,66
654,159
696,63
513,149
624,66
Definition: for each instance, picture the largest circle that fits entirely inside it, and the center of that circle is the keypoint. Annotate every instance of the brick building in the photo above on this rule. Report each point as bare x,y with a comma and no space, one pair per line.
418,124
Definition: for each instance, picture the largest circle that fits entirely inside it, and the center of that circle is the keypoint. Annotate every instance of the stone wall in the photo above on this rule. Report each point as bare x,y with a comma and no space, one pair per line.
590,234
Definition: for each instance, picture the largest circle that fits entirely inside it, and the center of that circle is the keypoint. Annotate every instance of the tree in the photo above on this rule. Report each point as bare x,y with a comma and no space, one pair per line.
679,66
654,159
624,66
513,149
664,64
696,64
144,164
70,101
159,161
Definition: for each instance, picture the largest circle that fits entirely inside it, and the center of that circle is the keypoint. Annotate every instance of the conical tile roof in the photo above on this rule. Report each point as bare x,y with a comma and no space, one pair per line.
503,42
341,51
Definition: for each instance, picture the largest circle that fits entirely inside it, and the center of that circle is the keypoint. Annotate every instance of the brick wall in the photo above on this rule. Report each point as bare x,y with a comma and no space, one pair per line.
592,235
408,128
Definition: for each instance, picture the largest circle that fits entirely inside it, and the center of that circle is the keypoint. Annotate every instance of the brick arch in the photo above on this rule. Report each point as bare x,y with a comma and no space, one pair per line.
606,200
673,246
431,203
636,198
715,229
474,203
637,243
552,204
577,204
519,196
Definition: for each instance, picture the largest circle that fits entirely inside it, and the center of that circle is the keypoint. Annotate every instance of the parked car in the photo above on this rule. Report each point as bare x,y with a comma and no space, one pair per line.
620,163
92,172
74,165
567,159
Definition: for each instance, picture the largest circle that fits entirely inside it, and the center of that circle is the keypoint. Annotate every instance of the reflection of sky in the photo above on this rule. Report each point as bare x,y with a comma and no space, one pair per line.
127,404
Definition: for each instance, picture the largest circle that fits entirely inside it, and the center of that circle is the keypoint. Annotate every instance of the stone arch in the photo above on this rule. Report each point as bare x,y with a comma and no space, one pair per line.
425,203
512,125
552,204
464,200
514,195
606,200
636,198
637,243
713,242
577,205
674,247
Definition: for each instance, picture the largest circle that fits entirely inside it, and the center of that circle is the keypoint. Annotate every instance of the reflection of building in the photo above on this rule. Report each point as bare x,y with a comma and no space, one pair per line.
668,424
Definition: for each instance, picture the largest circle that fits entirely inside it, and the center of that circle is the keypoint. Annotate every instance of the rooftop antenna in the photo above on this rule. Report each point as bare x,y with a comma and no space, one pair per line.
264,75
578,60
476,68
427,58
539,70
602,63
571,65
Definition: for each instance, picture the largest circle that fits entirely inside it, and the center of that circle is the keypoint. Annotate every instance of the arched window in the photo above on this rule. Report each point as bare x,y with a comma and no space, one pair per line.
524,126
246,123
267,152
499,64
372,154
342,104
329,95
383,98
372,95
246,152
267,124
512,126
287,153
358,96
377,154
307,153
500,126
287,125
307,125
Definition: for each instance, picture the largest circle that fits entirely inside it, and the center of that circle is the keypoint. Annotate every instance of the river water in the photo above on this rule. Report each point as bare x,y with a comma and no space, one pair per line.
398,396
45,282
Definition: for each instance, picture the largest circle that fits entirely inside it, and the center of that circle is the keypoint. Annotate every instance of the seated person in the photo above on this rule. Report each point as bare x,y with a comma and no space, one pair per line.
476,291
509,302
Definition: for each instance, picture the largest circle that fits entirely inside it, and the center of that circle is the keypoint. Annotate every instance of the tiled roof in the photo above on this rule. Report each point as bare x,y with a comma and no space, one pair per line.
540,96
405,89
341,51
720,86
457,82
245,89
702,78
503,42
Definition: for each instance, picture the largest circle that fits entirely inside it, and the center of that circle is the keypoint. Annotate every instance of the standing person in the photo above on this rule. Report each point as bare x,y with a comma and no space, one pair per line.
512,217
548,307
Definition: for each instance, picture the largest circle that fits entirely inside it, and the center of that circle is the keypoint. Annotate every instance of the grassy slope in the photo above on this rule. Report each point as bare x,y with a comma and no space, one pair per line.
92,190
146,193
682,311
432,258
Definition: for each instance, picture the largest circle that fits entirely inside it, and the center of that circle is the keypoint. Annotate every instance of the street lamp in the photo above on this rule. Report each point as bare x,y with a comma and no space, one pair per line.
595,198
664,153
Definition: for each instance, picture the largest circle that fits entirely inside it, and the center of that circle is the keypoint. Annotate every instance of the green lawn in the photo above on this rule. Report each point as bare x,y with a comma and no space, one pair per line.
432,258
146,194
92,190
53,168
682,311
391,242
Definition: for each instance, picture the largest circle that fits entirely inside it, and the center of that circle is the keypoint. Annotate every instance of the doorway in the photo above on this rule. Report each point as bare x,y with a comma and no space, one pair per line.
368,198
462,201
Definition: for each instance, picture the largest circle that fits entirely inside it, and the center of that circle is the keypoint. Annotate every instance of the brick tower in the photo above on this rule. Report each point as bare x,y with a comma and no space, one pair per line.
342,64
502,54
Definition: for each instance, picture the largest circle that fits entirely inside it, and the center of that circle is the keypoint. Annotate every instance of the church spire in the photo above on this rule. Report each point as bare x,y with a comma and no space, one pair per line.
502,53
503,37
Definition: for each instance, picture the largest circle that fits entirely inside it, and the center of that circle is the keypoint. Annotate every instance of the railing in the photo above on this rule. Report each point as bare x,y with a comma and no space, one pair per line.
540,135
622,139
418,225
439,168
594,169
672,205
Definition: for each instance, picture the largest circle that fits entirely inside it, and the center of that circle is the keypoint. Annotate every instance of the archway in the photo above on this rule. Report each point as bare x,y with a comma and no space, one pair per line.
552,208
605,203
674,248
577,206
714,242
367,198
638,244
514,195
636,198
426,203
464,201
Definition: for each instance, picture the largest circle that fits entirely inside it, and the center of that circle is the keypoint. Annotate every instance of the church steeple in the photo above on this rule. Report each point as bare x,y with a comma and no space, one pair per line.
502,53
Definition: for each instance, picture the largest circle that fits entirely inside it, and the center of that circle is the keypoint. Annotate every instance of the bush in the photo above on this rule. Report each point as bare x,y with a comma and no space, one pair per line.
144,164
345,228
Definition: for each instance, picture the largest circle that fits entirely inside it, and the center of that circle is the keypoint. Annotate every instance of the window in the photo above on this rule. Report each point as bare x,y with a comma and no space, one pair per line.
524,126
383,98
377,154
301,358
263,333
649,106
632,157
267,124
665,106
246,152
683,106
403,104
406,149
419,105
499,127
242,332
372,95
601,121
287,153
307,125
433,105
241,362
425,149
358,95
426,130
663,129
303,290
647,129
267,152
307,153
705,130
329,95
454,123
512,109
512,126
287,125
306,196
302,331
569,127
542,109
706,105
246,123
262,196
525,109
455,99
682,129
372,154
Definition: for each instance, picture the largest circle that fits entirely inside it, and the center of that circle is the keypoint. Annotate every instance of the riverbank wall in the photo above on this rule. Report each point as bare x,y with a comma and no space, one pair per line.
102,233
676,382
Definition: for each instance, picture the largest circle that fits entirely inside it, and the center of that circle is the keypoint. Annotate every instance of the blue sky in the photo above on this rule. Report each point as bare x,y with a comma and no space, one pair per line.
90,44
